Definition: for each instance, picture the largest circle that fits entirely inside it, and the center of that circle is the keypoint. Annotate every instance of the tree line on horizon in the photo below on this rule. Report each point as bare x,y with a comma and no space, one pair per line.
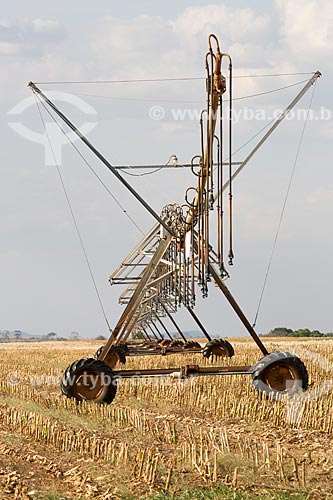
301,332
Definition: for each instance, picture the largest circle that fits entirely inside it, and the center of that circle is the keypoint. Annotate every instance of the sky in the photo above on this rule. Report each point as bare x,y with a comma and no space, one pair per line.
45,284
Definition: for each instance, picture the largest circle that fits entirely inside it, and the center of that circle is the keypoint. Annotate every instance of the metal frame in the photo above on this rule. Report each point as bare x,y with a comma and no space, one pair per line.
166,274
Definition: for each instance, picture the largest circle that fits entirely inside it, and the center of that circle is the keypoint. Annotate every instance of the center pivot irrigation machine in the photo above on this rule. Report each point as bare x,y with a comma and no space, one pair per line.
176,258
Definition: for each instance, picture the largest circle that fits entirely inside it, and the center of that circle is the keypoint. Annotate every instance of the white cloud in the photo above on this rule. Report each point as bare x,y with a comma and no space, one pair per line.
151,46
161,46
134,46
235,23
30,37
307,27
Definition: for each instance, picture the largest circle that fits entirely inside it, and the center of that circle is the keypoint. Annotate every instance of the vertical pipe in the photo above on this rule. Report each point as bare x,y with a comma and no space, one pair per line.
231,253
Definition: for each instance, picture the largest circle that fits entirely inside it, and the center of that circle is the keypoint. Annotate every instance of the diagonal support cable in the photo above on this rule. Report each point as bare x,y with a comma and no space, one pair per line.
99,155
75,222
283,208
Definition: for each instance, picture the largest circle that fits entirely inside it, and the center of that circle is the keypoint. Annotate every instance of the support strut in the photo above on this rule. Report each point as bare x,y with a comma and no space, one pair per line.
198,322
174,323
226,292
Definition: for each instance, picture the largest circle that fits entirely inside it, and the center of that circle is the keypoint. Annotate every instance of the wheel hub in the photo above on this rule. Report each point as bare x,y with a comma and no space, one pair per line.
88,385
279,377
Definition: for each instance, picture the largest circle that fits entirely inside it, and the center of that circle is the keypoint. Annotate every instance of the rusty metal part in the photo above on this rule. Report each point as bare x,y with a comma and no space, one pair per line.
137,296
279,377
188,371
112,359
86,388
215,88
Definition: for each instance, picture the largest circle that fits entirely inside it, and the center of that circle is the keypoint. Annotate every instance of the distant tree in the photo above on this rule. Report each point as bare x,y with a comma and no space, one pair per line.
4,334
280,331
74,336
301,332
305,332
51,335
100,337
316,333
17,334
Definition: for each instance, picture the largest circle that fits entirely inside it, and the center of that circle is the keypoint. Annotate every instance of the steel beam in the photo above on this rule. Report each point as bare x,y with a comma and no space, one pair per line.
184,372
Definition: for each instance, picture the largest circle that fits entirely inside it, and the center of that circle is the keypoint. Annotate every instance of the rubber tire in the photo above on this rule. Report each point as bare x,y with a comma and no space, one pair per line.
124,347
165,342
118,349
207,352
280,358
191,344
78,368
176,343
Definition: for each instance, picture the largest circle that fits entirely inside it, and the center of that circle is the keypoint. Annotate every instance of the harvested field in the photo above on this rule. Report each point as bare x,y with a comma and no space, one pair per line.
164,434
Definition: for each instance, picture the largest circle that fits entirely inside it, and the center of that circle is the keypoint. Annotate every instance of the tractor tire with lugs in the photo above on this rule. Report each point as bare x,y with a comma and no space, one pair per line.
218,347
89,379
280,373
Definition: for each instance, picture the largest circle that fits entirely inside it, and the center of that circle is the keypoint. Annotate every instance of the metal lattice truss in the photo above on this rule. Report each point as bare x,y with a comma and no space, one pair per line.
158,279
163,275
